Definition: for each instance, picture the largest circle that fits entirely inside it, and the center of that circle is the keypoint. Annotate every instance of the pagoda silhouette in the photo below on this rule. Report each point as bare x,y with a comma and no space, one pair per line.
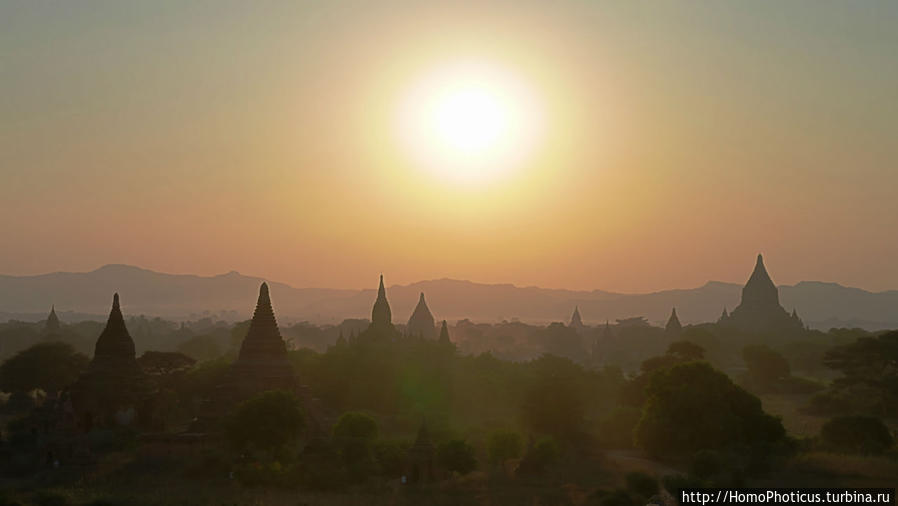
760,309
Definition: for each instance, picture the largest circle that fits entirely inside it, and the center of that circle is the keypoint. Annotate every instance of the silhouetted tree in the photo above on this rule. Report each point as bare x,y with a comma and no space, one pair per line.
267,422
694,407
48,366
457,456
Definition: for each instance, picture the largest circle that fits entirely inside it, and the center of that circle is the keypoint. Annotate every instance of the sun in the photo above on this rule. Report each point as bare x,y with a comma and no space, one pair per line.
470,123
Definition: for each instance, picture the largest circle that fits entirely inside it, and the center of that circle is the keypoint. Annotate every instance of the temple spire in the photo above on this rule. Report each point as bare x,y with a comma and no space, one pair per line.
52,321
444,334
115,341
576,321
421,323
381,314
673,326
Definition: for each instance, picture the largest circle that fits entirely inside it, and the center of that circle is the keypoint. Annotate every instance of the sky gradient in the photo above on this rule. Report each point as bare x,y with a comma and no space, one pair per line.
678,141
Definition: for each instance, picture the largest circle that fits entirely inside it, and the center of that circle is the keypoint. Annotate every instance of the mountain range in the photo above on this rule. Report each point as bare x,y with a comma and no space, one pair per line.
231,296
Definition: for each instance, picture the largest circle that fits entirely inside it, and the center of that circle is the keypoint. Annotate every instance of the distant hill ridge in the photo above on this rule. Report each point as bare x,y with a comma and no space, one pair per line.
143,291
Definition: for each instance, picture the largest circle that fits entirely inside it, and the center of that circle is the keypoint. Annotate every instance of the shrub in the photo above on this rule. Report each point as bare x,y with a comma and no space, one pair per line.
705,464
641,484
539,458
267,422
856,434
504,445
457,456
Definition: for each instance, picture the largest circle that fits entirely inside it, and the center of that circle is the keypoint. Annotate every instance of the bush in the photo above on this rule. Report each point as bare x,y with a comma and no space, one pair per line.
673,483
856,434
641,484
390,457
268,422
539,458
616,431
353,437
705,464
457,456
504,445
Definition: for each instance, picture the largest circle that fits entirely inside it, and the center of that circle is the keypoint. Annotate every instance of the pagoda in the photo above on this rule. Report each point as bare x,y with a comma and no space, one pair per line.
576,321
760,309
113,390
52,326
673,327
262,363
421,323
381,316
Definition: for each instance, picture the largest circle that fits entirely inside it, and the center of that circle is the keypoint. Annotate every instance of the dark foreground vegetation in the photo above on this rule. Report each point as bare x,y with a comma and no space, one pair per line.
415,421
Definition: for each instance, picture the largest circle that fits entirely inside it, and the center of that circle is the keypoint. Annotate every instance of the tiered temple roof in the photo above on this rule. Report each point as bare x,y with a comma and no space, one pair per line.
262,363
760,309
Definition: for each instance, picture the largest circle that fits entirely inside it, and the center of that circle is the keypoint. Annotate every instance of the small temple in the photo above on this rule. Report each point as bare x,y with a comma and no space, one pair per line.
576,320
673,327
760,309
52,326
421,323
444,334
113,390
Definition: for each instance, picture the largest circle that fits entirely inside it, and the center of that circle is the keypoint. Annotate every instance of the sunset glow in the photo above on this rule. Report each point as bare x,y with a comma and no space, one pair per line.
469,123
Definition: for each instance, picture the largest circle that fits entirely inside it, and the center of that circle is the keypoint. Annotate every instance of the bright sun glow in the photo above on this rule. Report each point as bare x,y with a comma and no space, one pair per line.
470,123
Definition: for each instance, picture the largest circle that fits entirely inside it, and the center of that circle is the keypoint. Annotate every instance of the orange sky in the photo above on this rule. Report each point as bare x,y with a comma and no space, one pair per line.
677,142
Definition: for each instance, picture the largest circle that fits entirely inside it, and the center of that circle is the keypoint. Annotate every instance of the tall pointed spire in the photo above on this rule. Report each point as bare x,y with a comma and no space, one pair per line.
52,321
673,326
444,334
576,321
115,341
421,323
263,337
381,314
760,291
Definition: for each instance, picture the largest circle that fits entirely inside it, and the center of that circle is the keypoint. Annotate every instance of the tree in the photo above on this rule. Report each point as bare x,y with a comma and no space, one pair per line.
539,457
504,445
354,435
164,363
48,366
869,384
457,456
555,401
686,350
765,366
856,434
268,422
693,407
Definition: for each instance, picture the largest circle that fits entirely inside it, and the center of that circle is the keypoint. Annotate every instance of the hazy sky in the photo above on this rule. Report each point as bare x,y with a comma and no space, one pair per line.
677,140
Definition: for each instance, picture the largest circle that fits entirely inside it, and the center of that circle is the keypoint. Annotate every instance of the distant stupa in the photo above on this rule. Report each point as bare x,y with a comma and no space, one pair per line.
576,321
421,323
760,309
673,327
380,314
52,326
444,334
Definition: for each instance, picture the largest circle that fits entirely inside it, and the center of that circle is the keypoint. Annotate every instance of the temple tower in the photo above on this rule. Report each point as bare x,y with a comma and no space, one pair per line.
673,327
113,390
576,321
262,363
421,323
760,309
444,334
380,314
52,326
